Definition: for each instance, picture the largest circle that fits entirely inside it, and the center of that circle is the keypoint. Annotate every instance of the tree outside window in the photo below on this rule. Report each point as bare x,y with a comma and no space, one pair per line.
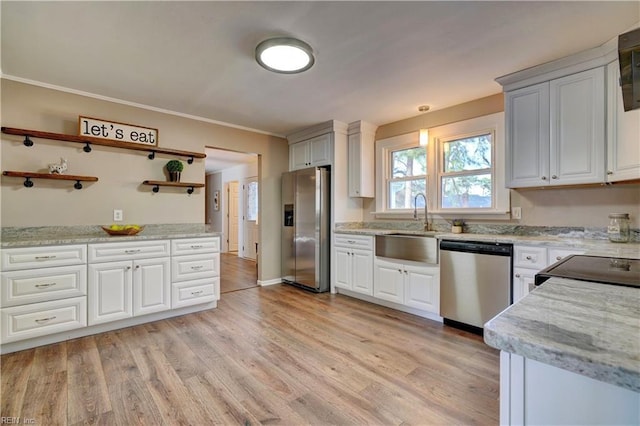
407,177
467,173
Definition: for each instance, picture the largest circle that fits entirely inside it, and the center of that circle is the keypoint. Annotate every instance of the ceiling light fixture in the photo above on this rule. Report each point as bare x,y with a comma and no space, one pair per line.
284,55
424,132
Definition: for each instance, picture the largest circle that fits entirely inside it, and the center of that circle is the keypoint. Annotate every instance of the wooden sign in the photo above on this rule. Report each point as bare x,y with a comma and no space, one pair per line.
120,132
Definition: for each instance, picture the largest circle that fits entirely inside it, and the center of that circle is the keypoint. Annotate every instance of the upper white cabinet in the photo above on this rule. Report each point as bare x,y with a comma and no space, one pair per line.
361,159
556,131
623,132
310,153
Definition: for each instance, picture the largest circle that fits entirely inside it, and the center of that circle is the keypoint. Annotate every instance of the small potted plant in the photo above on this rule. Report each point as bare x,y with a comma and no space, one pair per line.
174,167
457,225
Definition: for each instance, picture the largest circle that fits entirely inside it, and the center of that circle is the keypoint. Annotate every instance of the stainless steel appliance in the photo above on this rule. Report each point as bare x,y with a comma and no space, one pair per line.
605,270
475,282
305,228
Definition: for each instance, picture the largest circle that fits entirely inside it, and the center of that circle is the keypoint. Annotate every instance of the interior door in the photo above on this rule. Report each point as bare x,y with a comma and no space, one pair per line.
250,218
233,215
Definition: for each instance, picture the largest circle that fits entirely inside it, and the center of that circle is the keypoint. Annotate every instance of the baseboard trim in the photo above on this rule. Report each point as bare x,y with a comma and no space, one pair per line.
265,283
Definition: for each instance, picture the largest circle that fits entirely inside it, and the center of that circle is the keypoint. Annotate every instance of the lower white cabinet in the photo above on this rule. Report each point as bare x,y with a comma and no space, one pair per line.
131,279
408,283
528,260
193,292
195,271
41,319
354,263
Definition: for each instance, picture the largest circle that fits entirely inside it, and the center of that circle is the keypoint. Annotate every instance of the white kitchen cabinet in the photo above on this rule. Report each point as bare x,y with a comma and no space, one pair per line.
128,279
535,393
110,292
195,271
361,156
43,291
42,319
556,131
313,152
623,132
529,260
354,263
407,283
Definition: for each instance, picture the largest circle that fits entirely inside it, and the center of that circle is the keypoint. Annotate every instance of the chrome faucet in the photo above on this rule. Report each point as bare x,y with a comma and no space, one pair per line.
426,210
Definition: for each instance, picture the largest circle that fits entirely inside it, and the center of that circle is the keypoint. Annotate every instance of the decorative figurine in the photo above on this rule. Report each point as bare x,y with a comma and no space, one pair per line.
59,168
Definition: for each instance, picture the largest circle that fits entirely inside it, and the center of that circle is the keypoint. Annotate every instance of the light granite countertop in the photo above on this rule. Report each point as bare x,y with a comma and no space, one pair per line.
58,235
590,246
584,327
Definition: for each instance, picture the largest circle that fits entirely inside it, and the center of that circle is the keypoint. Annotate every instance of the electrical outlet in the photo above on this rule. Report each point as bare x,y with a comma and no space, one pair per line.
516,213
117,215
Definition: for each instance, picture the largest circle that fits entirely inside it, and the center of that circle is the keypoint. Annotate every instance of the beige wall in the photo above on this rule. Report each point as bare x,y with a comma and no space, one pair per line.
121,172
587,207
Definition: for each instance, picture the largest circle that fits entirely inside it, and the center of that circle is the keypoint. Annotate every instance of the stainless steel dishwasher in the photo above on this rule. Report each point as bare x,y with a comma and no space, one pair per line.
475,282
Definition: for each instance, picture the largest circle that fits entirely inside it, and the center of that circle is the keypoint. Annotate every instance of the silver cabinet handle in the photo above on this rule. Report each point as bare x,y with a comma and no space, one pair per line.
554,177
128,268
543,178
351,241
137,266
400,270
609,172
197,267
196,246
558,257
197,293
45,285
405,272
528,257
41,320
518,275
45,257
132,251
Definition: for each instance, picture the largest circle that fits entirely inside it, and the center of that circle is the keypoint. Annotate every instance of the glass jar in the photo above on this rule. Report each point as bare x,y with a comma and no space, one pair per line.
618,229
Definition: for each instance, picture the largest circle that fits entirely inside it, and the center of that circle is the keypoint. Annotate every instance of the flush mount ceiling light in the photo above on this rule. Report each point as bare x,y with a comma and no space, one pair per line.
285,55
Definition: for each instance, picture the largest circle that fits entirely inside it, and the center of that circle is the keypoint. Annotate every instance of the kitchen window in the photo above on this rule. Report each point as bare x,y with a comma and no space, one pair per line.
461,171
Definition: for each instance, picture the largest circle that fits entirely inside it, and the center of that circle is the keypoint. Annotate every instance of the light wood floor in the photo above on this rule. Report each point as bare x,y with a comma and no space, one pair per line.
266,355
237,273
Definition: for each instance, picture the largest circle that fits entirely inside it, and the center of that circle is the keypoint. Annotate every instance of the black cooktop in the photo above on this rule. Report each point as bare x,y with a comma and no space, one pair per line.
607,270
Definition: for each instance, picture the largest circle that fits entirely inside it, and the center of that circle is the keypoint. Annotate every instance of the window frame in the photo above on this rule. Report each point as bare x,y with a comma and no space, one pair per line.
441,173
493,123
389,179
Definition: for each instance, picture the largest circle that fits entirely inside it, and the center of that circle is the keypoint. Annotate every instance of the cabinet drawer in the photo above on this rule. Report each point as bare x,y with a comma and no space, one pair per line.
189,246
530,257
354,241
41,319
184,268
195,292
41,257
108,252
41,285
557,254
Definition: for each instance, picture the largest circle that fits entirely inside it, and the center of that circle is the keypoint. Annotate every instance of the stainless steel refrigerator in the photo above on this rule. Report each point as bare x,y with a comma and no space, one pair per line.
305,228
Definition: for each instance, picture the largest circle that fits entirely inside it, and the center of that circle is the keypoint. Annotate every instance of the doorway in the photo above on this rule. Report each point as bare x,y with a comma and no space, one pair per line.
232,186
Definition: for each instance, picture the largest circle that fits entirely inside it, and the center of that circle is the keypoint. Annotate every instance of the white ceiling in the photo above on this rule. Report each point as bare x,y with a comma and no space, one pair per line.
220,159
375,61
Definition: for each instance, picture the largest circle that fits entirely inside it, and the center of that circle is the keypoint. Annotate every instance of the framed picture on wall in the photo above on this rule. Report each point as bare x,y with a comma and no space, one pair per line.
216,200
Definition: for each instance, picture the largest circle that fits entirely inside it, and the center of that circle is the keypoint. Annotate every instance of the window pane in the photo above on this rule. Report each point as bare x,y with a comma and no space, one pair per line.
466,191
252,201
409,162
467,154
402,193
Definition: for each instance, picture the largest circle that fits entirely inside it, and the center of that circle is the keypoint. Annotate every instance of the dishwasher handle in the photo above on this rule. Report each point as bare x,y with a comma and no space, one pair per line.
479,247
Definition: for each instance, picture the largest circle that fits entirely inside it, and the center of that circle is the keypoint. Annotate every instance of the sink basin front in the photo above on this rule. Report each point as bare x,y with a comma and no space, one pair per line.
419,248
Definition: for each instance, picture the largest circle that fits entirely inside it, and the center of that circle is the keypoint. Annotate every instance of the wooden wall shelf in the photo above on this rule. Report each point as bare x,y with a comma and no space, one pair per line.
158,183
152,150
30,175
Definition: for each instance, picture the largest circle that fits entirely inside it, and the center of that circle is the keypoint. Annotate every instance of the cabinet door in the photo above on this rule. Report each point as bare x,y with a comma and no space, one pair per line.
523,282
422,288
320,150
362,271
151,286
298,156
577,142
557,254
527,129
109,293
343,268
355,176
388,281
623,132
